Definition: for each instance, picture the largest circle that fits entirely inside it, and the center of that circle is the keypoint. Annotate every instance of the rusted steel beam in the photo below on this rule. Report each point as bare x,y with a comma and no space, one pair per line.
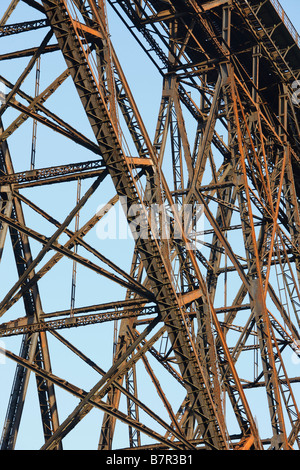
33,347
8,12
17,28
128,304
77,238
28,52
63,251
51,173
123,390
125,178
209,324
24,325
214,4
24,74
74,390
49,243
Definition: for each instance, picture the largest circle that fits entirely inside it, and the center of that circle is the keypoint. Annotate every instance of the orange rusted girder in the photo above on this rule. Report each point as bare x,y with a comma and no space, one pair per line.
205,323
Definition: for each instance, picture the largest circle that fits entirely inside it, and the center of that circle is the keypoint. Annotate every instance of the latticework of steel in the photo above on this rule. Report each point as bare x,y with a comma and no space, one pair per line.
170,263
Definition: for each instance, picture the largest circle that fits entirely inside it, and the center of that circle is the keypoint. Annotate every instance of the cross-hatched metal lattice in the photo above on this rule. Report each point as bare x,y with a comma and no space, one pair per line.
149,283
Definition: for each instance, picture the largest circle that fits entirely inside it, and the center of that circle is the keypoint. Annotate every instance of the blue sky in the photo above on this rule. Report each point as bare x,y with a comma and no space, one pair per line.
55,290
291,8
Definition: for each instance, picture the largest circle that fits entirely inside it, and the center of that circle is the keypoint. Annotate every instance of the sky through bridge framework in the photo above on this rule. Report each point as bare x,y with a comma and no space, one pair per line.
184,335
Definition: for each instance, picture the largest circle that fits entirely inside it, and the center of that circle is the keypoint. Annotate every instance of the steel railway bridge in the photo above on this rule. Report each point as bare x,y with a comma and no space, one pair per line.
185,336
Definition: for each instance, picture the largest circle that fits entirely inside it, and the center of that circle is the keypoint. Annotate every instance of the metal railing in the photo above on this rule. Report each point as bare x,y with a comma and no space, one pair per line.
285,19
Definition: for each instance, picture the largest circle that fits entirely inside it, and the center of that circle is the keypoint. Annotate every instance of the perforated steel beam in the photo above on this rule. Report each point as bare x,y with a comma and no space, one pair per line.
213,311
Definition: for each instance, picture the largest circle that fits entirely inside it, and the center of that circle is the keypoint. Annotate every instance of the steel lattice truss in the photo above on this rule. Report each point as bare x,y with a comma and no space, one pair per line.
196,335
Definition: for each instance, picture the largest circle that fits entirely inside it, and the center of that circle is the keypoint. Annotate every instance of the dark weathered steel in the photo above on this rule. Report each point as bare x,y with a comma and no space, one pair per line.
8,30
211,313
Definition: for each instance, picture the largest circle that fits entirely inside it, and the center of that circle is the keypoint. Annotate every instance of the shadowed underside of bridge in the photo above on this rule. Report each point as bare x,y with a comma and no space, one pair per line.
180,331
